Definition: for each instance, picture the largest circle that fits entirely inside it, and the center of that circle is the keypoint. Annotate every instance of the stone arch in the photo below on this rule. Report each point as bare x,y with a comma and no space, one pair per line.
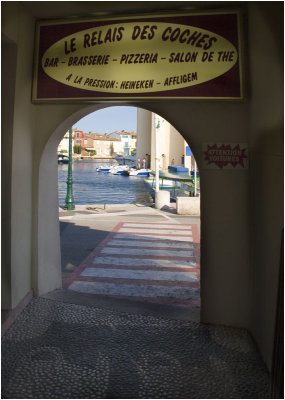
47,262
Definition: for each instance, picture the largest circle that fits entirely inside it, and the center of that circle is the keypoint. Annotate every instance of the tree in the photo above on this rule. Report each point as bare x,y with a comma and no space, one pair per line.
77,149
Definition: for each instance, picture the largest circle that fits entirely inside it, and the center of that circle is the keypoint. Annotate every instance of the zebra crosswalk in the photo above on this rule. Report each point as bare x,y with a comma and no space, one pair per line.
156,262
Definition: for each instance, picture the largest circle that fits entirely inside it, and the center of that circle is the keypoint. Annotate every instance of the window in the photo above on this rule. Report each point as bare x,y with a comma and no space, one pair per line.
78,141
125,136
77,134
188,151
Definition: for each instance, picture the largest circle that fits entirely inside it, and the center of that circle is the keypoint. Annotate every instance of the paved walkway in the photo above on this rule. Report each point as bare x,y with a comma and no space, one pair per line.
146,255
58,350
128,329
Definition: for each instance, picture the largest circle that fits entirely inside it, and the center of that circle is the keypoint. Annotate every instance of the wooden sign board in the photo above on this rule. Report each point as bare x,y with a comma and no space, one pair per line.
188,56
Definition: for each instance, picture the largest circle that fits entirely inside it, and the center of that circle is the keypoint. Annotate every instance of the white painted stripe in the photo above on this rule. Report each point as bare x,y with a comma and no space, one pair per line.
147,252
143,243
159,231
144,262
166,216
153,237
157,225
148,210
141,274
178,292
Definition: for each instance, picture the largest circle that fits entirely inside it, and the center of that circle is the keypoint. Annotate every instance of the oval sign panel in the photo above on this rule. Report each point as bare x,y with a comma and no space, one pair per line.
139,57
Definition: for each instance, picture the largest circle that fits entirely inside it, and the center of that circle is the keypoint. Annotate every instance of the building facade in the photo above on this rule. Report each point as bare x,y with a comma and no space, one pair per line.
172,150
128,140
78,139
241,218
63,145
92,144
103,145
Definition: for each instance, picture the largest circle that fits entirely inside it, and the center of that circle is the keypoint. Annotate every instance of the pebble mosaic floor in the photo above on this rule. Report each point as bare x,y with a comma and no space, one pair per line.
59,350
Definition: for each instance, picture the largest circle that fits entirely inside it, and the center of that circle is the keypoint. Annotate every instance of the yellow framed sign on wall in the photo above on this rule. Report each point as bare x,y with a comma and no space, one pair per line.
185,56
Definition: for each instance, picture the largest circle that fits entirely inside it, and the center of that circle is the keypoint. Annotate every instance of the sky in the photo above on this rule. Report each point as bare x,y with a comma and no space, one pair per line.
108,120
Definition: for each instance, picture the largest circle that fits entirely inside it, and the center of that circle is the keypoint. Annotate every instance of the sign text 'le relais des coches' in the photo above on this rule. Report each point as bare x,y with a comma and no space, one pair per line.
183,56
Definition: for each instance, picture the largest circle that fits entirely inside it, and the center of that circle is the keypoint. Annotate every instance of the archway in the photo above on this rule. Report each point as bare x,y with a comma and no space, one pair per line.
241,234
49,269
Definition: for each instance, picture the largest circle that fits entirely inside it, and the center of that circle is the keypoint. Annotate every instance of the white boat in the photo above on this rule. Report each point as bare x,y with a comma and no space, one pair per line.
103,169
119,169
137,172
62,158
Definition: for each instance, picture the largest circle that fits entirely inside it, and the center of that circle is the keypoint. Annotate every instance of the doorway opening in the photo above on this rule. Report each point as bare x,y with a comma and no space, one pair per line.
130,250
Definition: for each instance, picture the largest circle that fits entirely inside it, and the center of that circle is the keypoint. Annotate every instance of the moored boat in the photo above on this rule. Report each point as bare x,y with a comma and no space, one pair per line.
62,158
103,169
119,169
137,172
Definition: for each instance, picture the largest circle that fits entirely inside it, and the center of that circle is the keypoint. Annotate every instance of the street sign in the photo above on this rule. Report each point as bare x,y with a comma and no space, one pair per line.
225,156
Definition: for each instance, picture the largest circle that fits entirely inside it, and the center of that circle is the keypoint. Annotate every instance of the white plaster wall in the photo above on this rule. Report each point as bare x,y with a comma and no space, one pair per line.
238,211
224,210
224,204
9,57
153,149
176,146
118,147
64,144
143,133
223,271
170,143
46,274
18,26
163,143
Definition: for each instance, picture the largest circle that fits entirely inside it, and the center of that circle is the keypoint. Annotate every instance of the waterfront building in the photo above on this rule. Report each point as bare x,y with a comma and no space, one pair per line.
63,144
103,145
173,150
128,139
78,139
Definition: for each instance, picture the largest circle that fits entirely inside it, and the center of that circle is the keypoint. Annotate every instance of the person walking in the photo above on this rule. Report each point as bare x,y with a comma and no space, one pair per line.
147,161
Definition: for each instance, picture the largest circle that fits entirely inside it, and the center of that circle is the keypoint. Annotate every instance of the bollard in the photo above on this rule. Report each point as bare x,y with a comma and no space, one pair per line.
162,199
188,205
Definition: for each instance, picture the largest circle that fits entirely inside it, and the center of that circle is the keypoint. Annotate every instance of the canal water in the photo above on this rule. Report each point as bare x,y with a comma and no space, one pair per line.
92,187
